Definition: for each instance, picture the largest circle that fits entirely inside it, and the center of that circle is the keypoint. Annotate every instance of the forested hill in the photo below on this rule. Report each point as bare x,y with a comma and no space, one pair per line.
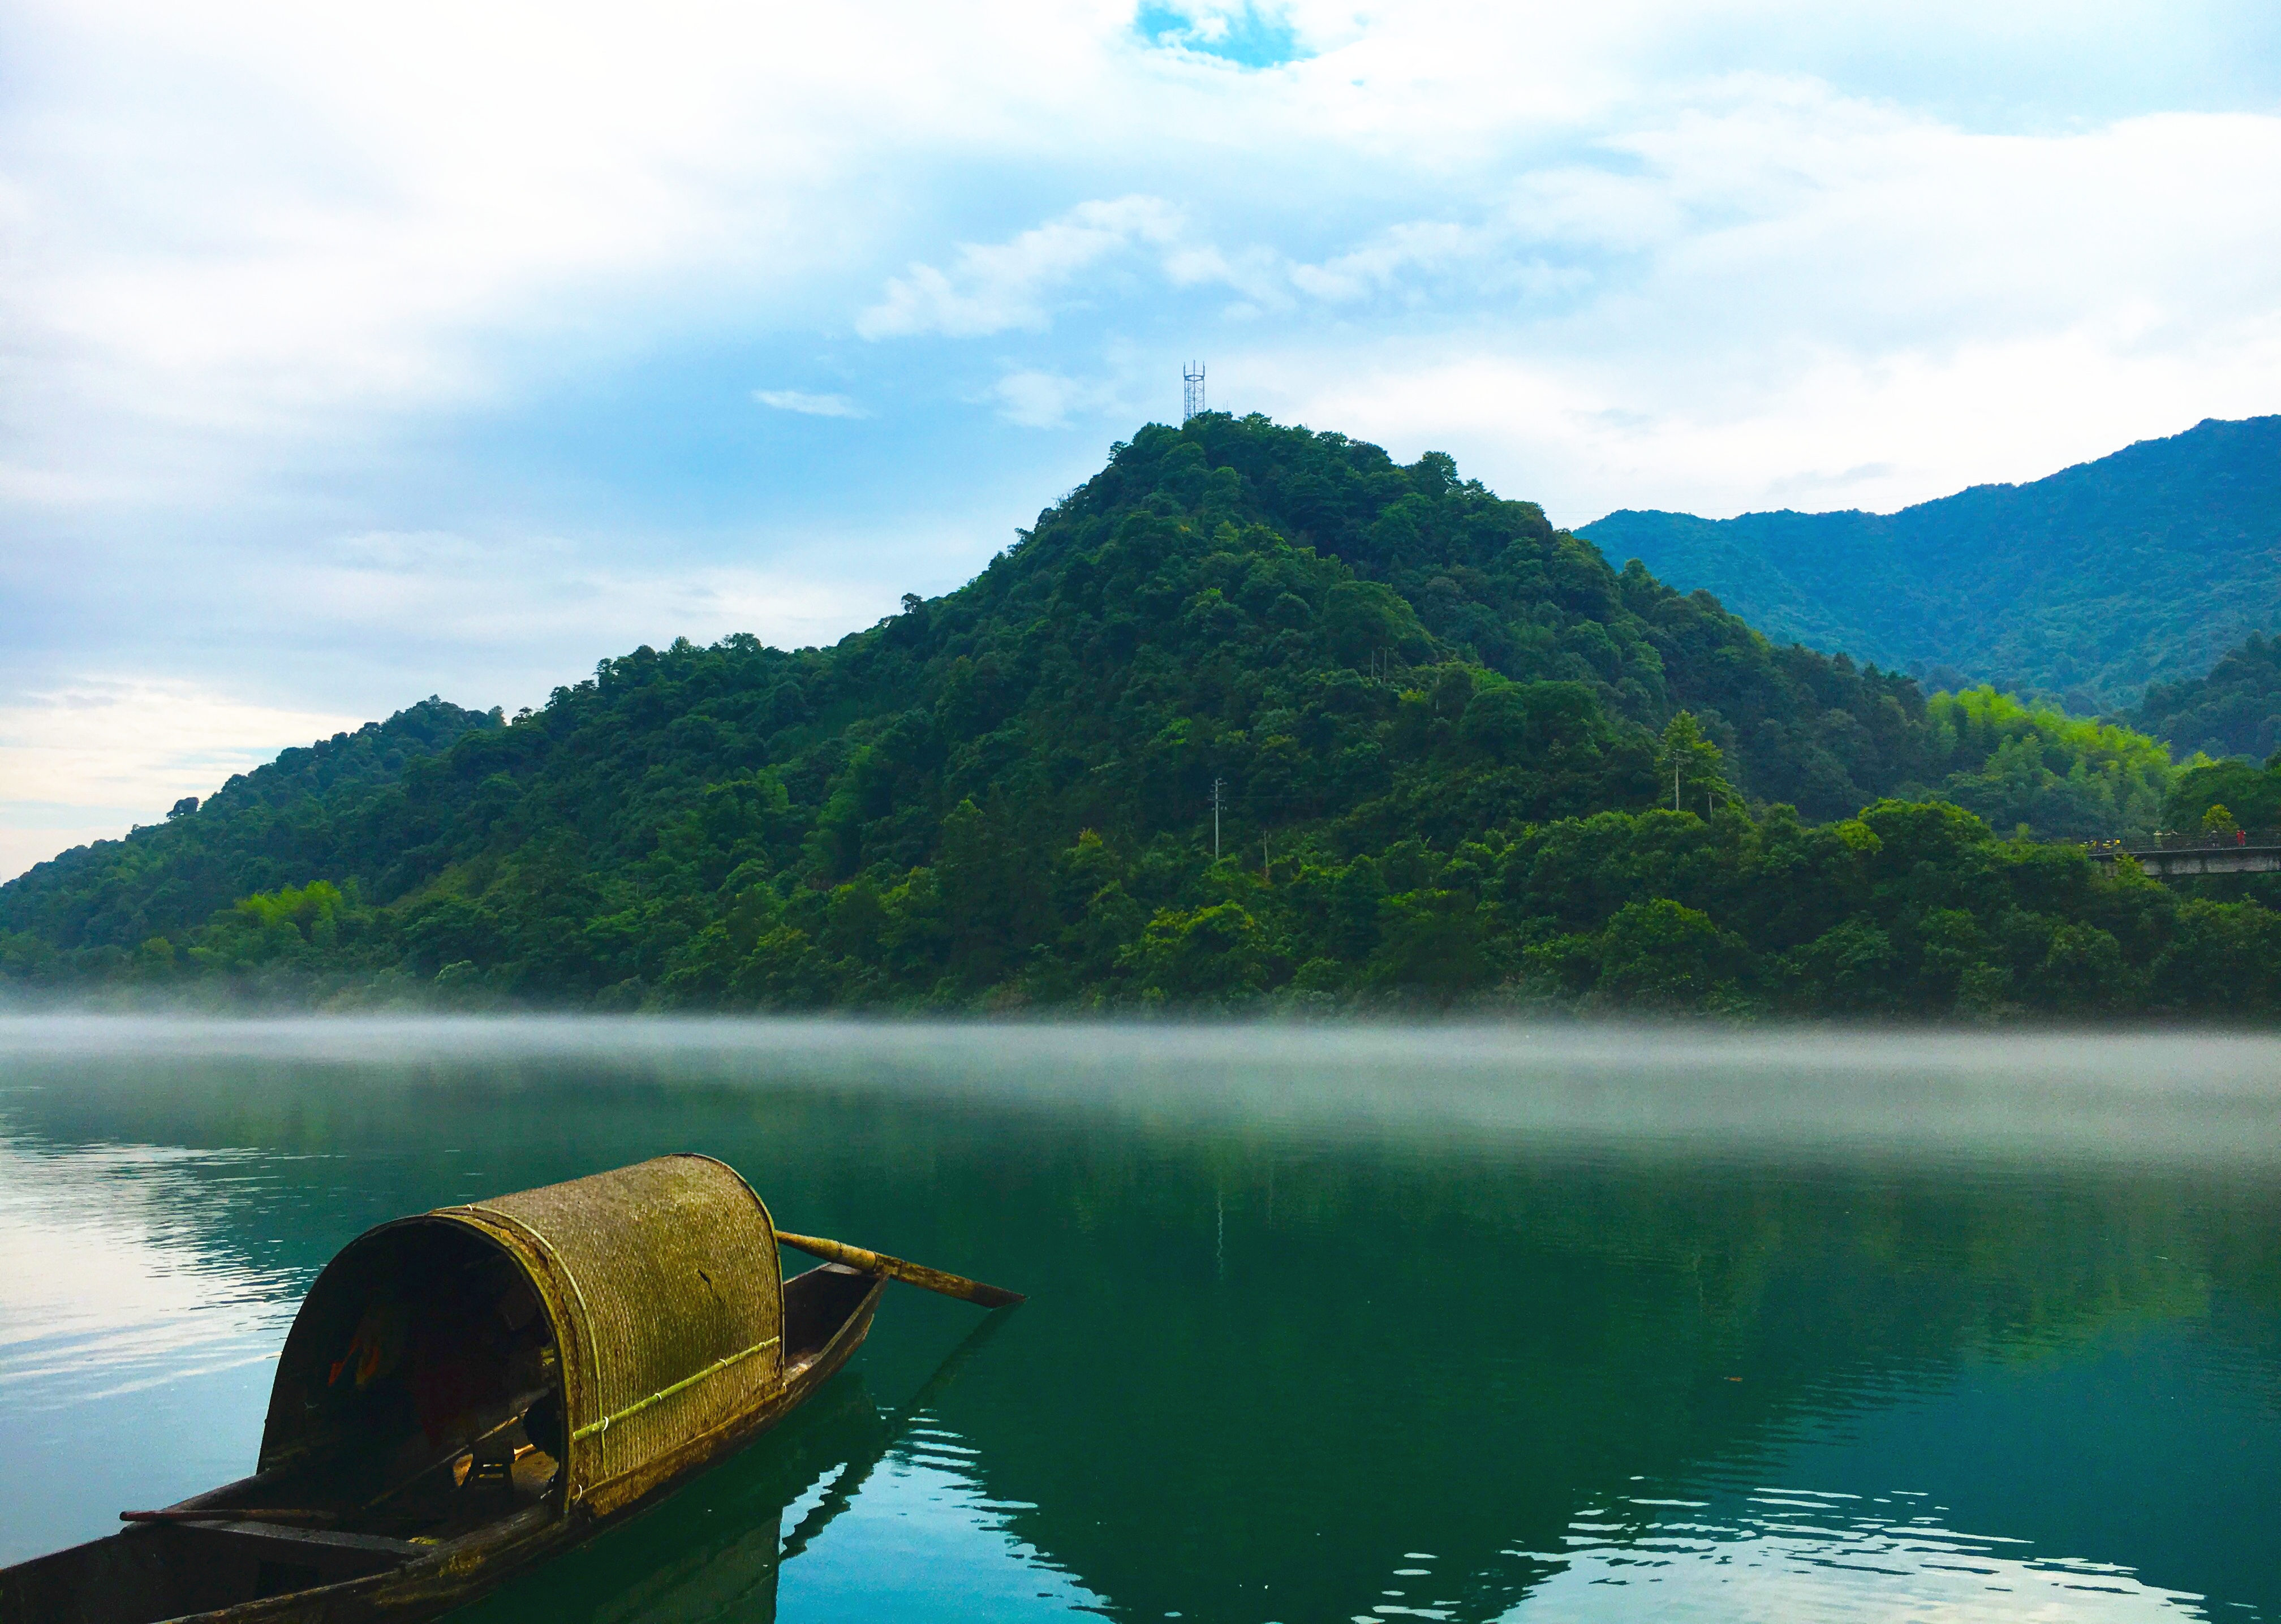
2234,709
279,824
2141,566
1439,730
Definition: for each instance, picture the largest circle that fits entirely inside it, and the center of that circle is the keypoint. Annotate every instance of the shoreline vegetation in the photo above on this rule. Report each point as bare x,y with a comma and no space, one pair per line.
2100,948
1448,757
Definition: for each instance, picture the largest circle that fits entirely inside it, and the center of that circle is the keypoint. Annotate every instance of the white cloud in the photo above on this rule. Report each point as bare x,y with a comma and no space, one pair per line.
1038,399
502,618
810,405
1585,438
88,760
1784,296
243,243
1396,252
543,598
992,287
56,747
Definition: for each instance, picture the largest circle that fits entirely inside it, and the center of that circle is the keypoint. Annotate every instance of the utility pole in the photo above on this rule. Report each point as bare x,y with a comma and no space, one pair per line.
1262,861
1216,785
1675,786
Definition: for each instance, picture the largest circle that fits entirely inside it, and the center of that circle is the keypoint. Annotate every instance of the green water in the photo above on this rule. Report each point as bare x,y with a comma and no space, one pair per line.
1540,1325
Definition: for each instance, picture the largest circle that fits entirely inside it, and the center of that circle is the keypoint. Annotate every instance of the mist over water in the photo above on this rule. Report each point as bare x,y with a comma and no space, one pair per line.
2105,1096
1356,1322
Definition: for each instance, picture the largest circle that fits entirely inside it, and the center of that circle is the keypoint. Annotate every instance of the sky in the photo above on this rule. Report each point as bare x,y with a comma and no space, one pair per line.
353,354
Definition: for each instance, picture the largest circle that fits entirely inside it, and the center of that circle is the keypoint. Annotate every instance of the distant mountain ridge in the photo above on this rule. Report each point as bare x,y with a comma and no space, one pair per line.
2142,567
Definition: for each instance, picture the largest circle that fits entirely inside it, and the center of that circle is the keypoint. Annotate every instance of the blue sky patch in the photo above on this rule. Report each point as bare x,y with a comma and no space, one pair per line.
1246,35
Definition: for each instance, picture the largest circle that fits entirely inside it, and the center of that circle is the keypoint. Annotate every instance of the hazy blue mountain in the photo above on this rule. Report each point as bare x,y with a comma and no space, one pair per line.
2141,566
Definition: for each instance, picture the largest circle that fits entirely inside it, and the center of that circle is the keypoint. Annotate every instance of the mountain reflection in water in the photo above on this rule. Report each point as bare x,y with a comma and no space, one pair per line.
1460,1324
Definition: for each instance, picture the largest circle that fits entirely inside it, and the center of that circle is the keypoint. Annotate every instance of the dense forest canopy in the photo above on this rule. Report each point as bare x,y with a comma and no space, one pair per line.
1256,714
2219,796
2234,709
2034,768
2141,566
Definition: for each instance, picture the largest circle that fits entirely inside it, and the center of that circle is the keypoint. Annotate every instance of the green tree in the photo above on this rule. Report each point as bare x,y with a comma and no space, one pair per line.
1432,942
2061,775
1213,954
1663,954
1690,767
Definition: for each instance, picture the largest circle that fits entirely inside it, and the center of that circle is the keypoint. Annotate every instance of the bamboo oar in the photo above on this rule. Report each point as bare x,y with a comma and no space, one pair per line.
233,1513
896,1268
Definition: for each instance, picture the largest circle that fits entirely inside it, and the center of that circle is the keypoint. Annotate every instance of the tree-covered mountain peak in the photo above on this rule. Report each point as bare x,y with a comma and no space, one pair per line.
1280,549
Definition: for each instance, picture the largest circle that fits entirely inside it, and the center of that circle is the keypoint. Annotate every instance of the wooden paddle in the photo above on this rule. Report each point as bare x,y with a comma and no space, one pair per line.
231,1514
896,1268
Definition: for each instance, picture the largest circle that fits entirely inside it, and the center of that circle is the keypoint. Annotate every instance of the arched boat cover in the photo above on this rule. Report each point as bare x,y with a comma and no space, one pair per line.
661,1285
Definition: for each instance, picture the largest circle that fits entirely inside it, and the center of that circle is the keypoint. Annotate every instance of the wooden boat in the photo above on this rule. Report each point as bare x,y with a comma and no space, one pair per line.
467,1391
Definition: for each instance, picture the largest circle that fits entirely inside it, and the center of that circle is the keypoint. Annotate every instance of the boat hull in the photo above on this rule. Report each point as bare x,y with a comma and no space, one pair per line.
100,1582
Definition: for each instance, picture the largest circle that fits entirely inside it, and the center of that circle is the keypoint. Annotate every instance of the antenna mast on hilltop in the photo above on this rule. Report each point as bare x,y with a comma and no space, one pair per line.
1192,390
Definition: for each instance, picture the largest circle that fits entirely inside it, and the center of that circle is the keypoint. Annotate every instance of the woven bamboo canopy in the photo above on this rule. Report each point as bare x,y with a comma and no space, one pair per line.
646,1305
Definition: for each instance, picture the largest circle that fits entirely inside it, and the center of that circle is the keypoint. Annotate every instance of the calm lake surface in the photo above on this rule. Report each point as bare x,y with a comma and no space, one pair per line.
1469,1323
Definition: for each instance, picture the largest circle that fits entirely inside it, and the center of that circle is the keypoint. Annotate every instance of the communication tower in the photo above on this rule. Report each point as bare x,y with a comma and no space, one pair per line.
1192,390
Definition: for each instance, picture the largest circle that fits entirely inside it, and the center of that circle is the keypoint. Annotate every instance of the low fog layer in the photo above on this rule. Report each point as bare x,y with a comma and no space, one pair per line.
2147,1098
